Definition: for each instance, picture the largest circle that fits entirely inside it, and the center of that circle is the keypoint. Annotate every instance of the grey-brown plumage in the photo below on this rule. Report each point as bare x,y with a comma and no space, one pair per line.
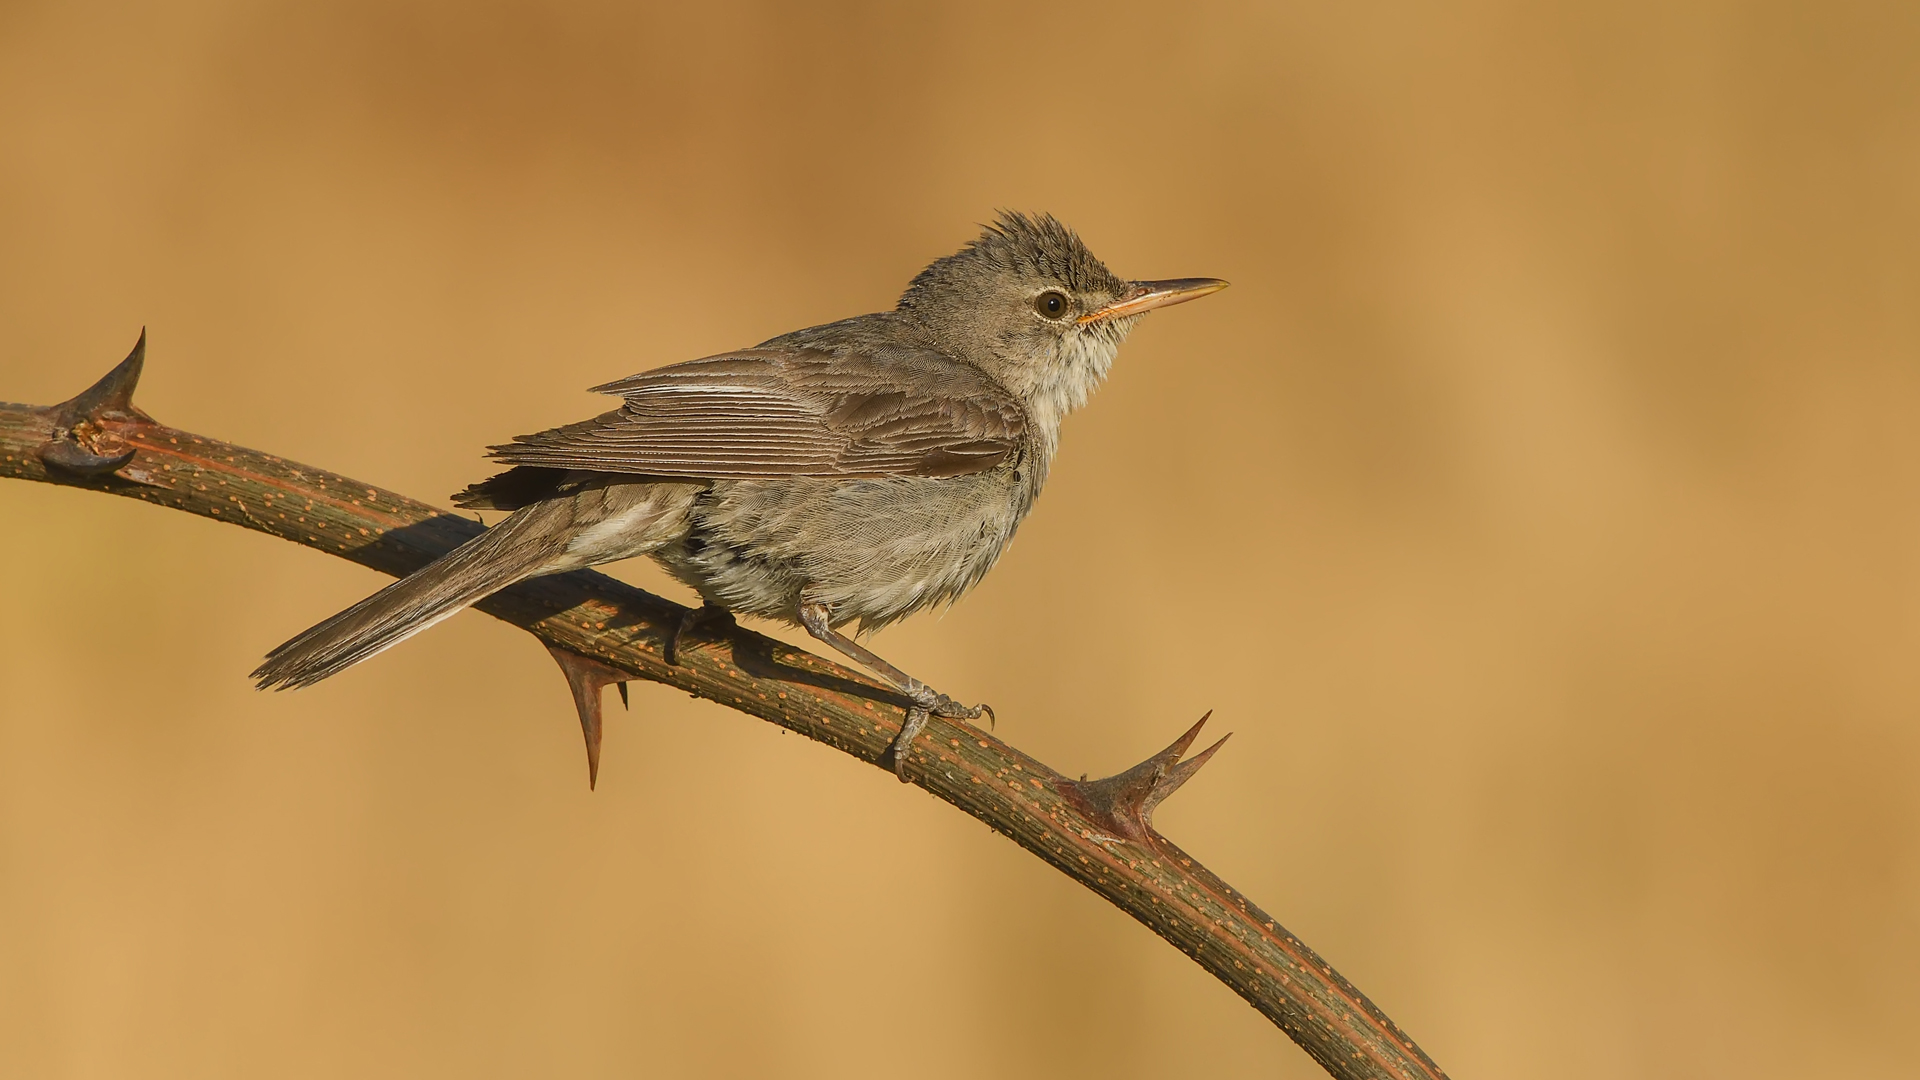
858,471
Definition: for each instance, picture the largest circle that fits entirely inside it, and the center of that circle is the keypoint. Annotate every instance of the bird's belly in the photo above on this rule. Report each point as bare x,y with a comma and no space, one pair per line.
872,550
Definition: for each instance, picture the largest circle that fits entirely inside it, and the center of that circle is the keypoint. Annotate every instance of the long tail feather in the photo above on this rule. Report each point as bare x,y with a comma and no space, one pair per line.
516,548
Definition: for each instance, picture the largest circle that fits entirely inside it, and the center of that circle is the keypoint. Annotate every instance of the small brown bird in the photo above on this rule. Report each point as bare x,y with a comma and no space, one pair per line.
861,470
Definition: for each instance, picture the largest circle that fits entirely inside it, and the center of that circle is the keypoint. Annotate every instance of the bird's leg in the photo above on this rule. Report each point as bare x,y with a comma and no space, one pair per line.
926,701
707,612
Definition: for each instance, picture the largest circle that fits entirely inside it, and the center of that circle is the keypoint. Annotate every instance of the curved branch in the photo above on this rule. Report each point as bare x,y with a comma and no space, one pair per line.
1100,833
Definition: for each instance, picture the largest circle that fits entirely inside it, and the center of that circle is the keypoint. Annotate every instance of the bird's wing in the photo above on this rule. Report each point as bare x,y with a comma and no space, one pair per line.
791,412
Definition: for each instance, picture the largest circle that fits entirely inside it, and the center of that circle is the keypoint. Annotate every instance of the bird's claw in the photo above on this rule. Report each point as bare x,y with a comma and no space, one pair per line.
927,704
702,617
948,709
916,720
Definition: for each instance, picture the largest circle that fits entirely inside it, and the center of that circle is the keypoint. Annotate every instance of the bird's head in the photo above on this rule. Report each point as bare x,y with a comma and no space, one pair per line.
1029,304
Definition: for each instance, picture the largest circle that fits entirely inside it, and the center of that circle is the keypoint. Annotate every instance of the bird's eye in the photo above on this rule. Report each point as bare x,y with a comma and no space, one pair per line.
1051,304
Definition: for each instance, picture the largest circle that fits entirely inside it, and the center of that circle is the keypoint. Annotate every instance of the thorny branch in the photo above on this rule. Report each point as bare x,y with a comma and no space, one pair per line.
1098,832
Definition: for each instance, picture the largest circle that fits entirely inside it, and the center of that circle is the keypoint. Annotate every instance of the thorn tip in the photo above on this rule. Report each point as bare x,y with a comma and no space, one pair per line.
1124,802
586,678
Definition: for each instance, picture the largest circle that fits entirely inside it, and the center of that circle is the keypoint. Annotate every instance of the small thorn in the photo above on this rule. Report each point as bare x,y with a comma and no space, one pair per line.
112,396
1123,803
586,677
624,703
79,444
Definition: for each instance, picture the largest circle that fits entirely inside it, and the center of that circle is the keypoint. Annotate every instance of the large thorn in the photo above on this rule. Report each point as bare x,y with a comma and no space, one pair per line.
1123,803
80,444
587,677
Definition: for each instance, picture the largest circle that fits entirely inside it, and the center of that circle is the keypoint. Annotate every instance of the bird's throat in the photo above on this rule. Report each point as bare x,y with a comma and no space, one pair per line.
1070,379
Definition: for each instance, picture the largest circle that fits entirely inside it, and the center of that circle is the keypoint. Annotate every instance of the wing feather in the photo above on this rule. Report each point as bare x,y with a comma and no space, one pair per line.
791,412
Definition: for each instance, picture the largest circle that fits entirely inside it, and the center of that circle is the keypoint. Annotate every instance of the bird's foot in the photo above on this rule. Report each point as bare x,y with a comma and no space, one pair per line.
948,709
916,720
928,703
704,615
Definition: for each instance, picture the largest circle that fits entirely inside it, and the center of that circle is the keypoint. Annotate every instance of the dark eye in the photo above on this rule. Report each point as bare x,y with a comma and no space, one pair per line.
1052,304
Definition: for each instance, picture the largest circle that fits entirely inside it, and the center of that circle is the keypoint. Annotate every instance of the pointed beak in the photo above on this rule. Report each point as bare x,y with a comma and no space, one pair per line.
1144,296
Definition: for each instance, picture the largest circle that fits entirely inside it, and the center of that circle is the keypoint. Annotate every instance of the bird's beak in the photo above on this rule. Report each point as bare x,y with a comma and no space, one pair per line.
1143,296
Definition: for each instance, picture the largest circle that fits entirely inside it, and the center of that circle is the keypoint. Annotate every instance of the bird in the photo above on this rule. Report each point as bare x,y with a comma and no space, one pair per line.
858,471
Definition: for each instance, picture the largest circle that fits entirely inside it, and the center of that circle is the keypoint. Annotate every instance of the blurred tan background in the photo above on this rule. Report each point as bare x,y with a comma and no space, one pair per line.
1540,513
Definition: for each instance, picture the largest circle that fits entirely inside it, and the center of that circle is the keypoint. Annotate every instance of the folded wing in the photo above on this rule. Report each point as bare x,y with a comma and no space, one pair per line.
771,412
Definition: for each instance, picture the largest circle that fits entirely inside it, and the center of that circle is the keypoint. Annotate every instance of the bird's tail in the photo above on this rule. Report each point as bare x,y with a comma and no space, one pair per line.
517,548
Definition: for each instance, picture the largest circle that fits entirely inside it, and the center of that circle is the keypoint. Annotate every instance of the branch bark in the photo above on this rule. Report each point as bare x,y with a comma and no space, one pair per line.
1100,833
